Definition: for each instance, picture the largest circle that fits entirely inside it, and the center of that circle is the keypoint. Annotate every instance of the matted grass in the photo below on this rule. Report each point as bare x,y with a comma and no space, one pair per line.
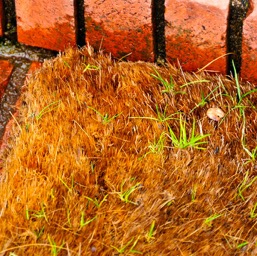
111,158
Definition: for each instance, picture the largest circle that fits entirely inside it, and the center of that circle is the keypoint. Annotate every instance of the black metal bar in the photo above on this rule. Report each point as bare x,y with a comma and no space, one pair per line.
158,21
237,13
80,22
10,25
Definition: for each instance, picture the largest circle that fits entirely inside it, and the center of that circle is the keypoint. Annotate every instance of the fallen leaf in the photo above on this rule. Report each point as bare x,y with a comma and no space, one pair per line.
215,114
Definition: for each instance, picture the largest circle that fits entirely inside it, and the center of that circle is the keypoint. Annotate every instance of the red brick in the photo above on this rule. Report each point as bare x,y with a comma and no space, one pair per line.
34,66
4,140
5,73
47,24
249,54
6,69
120,27
1,18
196,33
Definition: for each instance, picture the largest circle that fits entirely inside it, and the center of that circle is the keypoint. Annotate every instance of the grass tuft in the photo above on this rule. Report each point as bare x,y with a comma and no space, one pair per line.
184,140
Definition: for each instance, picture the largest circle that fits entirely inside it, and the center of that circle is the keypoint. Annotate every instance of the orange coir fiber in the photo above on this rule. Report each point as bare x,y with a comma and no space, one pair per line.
91,166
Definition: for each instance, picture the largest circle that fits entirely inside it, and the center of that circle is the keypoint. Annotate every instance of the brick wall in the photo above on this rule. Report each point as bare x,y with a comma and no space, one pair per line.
193,32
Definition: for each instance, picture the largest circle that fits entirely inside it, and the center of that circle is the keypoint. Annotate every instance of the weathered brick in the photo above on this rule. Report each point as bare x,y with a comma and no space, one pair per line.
249,51
6,69
120,27
34,66
4,140
47,24
5,73
196,33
